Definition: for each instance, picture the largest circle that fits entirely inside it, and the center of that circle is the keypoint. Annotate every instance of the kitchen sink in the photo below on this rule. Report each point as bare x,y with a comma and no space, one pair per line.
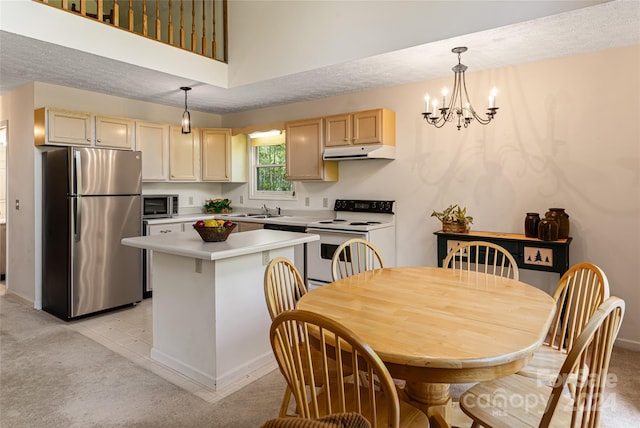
265,215
255,215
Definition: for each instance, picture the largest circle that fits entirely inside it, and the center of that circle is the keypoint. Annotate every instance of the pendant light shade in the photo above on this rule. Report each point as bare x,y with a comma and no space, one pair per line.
186,117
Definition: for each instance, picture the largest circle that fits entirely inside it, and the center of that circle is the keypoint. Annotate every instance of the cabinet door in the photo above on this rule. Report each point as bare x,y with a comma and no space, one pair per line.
183,155
67,127
304,152
337,130
115,132
367,127
161,229
152,139
216,154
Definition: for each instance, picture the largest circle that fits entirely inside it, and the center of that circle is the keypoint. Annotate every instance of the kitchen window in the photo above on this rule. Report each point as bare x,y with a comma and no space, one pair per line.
268,168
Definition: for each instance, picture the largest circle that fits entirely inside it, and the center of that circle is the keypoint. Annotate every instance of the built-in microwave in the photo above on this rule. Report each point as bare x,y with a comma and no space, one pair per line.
159,206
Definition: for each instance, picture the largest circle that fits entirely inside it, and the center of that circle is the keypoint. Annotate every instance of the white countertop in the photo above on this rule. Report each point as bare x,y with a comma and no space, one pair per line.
189,244
295,220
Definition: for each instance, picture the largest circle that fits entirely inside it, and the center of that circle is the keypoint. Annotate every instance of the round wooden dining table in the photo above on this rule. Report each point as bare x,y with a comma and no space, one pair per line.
433,327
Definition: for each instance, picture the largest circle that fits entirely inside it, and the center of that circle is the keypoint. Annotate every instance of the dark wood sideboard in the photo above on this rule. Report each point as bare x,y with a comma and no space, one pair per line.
530,253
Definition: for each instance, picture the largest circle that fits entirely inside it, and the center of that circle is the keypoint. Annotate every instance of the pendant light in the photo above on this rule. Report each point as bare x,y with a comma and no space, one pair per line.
186,117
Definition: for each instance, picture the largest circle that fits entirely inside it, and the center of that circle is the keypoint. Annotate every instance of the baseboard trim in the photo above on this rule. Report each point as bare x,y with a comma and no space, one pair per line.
632,345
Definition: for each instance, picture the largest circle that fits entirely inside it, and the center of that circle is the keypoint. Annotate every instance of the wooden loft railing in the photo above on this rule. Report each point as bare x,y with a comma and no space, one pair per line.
200,25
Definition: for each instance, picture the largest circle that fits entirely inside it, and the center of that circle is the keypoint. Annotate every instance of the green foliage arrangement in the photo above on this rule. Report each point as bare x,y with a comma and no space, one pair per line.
218,205
454,214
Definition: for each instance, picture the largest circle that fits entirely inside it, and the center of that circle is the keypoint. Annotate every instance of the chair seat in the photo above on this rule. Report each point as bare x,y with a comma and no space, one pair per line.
410,417
545,364
514,401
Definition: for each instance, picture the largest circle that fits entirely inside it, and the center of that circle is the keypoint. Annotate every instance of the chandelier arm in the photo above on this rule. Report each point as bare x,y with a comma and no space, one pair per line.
480,120
457,95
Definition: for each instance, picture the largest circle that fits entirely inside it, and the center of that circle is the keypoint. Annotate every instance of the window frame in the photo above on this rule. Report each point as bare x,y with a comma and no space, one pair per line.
254,193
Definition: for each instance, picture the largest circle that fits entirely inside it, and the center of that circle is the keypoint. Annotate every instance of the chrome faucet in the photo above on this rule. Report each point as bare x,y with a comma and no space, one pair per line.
265,209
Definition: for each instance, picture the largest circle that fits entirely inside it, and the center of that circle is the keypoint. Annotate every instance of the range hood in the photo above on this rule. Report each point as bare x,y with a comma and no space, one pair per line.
369,151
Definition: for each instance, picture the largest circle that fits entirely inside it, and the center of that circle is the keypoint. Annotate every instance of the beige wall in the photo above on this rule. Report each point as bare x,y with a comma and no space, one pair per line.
16,108
567,134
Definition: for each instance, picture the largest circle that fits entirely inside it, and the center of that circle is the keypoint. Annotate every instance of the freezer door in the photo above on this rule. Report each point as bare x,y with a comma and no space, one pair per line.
106,274
105,172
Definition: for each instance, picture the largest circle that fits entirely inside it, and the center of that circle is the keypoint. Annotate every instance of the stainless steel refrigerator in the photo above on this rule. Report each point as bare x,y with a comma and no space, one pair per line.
91,200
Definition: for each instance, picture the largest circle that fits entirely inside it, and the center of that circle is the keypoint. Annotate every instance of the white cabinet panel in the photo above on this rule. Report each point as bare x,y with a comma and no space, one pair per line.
152,139
114,132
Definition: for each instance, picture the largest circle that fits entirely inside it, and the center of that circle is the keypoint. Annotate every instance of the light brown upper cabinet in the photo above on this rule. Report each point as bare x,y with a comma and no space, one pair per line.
63,127
114,132
224,157
152,139
304,140
53,126
184,155
376,126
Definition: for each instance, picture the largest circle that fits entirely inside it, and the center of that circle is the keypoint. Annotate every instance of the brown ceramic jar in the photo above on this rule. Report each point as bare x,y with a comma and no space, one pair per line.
531,225
562,218
548,229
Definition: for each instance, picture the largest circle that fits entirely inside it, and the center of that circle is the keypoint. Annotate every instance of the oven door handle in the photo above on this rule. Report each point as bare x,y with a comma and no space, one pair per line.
335,231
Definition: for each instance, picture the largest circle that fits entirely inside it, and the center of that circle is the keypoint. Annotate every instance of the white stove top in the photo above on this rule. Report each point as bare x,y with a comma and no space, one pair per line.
350,224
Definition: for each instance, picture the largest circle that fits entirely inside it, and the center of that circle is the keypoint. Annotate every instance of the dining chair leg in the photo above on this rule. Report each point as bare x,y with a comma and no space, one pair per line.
285,402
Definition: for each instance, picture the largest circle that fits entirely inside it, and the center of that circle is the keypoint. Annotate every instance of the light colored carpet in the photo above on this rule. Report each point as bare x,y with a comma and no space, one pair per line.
52,376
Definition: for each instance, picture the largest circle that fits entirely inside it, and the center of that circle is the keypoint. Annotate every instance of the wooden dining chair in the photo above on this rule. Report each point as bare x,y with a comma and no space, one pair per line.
337,420
354,256
295,334
283,287
485,257
580,292
518,401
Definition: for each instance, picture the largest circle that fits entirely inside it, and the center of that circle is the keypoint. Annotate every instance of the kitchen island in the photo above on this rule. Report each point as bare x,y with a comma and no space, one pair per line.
210,320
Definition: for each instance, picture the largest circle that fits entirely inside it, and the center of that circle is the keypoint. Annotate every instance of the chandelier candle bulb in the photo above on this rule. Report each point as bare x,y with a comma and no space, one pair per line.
435,107
466,111
445,91
492,98
426,103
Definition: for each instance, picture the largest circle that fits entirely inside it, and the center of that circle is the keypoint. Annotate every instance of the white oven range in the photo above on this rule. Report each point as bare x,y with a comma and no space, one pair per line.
371,220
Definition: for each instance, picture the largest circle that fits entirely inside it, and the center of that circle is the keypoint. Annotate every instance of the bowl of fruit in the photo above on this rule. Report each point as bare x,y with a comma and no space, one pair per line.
214,230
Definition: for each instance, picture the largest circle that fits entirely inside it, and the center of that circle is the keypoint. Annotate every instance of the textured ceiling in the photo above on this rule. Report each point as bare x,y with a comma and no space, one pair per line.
603,26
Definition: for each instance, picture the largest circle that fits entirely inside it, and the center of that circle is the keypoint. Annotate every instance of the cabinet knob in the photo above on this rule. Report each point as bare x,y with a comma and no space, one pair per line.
89,139
99,140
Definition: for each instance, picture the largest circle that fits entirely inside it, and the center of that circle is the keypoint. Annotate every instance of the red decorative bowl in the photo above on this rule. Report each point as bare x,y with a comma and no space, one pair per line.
215,234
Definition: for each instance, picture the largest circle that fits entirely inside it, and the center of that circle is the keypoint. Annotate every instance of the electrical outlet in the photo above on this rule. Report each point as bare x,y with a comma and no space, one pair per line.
325,202
306,201
190,200
241,199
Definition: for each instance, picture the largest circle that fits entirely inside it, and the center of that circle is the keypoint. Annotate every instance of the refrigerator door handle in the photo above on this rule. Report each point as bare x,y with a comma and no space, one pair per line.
76,185
77,188
77,223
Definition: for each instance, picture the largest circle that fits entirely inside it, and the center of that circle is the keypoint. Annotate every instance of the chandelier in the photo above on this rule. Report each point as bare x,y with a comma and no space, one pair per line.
458,108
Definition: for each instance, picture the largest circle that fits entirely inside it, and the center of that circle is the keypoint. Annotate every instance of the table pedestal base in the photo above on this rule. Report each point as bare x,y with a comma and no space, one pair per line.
429,395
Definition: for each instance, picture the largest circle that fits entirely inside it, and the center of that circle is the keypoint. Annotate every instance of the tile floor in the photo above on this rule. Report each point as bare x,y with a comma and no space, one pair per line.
129,332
